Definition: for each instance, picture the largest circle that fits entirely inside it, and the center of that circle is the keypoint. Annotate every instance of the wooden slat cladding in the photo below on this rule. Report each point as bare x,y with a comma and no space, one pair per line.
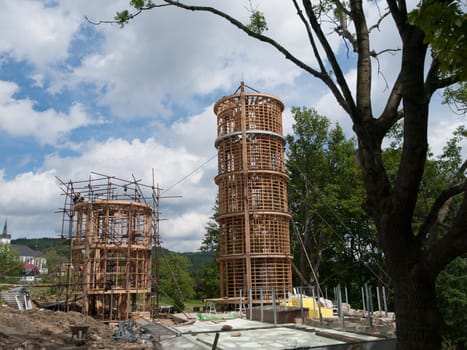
254,243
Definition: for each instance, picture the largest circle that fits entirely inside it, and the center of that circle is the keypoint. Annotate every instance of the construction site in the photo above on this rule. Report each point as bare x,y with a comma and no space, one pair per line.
112,292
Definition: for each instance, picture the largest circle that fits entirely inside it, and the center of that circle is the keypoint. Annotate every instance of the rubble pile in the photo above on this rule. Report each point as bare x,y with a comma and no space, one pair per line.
39,329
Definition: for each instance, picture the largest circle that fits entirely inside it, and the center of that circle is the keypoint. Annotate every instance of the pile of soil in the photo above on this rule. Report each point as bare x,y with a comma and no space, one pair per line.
39,329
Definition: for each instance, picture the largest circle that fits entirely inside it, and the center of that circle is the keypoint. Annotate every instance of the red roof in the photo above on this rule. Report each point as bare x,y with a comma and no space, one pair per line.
30,266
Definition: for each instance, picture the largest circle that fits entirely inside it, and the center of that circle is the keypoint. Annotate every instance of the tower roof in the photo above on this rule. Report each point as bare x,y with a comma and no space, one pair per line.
5,234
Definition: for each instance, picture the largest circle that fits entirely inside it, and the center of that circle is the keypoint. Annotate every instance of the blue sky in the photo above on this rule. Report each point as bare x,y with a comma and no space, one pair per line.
77,98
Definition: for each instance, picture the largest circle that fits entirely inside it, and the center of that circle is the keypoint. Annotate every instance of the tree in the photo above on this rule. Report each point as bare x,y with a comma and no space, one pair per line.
210,242
10,264
207,281
53,260
440,172
174,280
208,285
325,194
452,291
413,257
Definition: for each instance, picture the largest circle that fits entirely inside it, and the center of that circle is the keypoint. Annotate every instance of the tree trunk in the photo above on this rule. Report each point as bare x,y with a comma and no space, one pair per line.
417,316
418,319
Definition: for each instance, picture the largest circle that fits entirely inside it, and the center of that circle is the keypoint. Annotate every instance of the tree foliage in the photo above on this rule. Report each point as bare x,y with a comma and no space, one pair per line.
445,26
456,97
10,265
210,242
175,281
207,278
452,291
207,283
44,244
257,22
53,259
325,195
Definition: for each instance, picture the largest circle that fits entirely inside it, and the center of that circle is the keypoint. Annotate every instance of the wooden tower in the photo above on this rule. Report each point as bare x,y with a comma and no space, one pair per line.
254,243
112,228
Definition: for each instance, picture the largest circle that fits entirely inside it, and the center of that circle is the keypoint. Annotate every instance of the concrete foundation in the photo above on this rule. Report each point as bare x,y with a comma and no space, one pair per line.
284,314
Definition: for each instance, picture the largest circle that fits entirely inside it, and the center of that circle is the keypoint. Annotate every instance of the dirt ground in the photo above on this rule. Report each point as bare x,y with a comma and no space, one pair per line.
39,329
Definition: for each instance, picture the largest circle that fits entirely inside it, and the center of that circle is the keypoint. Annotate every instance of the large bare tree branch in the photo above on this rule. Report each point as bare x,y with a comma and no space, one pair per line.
415,145
340,78
433,82
391,112
364,61
398,15
376,26
310,37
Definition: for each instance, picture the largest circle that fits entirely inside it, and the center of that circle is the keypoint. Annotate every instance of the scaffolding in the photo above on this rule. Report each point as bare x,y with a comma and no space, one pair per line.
254,243
112,228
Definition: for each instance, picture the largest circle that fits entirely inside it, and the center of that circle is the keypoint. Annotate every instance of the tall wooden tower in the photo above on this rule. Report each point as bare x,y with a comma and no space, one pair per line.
254,243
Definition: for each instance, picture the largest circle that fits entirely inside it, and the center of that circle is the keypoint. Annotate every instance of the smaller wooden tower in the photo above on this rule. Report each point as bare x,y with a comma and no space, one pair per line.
112,230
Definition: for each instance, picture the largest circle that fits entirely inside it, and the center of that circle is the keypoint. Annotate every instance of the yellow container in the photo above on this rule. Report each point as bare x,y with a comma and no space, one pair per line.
312,306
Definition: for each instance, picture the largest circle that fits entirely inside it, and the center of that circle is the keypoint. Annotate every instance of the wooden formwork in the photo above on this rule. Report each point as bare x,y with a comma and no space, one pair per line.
111,252
254,244
111,237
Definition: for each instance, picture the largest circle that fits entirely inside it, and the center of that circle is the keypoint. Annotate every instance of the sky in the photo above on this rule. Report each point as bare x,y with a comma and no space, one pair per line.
78,98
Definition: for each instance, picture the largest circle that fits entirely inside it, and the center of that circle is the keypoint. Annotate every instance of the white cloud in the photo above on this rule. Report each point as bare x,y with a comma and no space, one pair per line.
197,133
19,118
35,32
29,201
155,63
185,232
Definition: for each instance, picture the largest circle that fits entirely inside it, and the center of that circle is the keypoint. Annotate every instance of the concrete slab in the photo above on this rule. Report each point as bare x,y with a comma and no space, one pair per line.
216,325
245,334
266,338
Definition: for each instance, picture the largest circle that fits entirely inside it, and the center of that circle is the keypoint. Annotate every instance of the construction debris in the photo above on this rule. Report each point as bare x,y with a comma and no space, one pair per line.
39,329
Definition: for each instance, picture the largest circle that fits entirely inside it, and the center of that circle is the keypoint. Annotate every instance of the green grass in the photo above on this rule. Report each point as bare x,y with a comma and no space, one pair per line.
189,304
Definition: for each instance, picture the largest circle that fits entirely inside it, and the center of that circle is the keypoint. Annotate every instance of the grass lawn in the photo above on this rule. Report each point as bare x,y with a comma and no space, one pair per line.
189,304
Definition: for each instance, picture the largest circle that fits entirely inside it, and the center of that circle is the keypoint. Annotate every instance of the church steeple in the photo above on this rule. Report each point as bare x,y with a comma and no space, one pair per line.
5,237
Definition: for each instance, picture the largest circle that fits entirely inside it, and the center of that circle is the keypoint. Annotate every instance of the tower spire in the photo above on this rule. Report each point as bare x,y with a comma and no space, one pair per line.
5,228
5,237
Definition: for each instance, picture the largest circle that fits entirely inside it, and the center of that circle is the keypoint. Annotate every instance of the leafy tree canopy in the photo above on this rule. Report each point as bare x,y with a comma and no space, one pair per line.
325,196
445,27
175,281
10,265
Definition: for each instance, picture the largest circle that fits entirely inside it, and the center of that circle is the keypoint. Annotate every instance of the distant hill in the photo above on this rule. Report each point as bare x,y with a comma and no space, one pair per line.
43,244
197,259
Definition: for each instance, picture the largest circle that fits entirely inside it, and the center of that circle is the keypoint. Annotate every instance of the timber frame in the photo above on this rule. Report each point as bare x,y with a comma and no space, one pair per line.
113,227
254,242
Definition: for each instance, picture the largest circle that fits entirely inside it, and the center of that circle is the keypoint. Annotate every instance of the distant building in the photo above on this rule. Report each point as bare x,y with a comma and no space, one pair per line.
27,255
5,237
30,273
30,257
63,269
